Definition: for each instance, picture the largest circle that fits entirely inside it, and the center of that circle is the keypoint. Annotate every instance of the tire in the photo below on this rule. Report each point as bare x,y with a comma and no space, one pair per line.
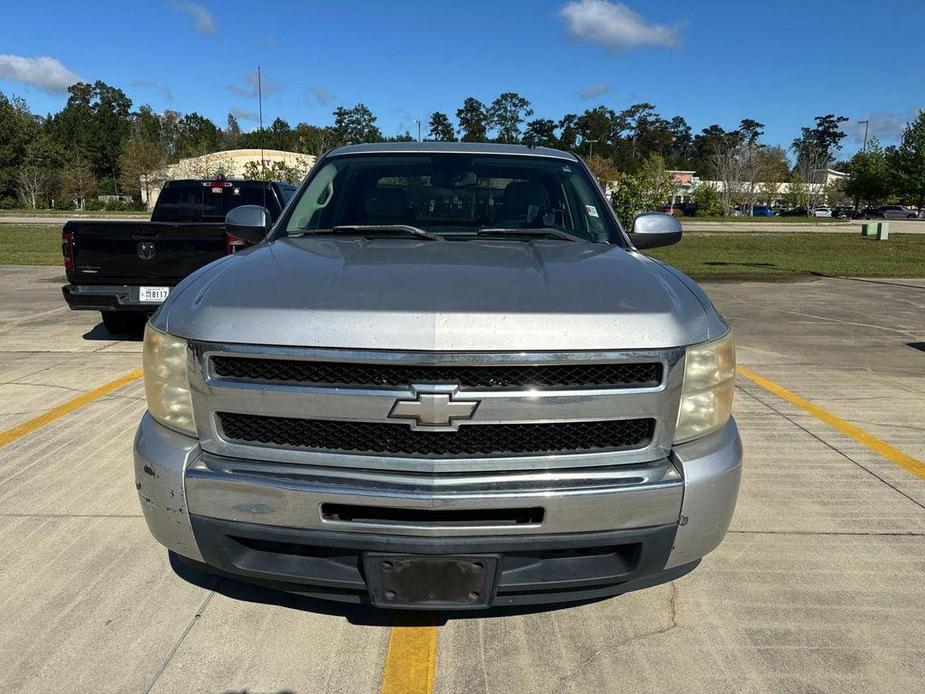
124,322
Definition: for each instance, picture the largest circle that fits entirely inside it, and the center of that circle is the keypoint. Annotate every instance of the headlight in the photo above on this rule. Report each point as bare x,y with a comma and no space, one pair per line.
709,383
166,384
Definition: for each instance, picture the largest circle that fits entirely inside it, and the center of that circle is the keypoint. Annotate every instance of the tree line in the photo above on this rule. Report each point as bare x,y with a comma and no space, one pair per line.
98,143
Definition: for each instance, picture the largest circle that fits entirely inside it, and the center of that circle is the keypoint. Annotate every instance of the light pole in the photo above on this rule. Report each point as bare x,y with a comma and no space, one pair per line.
591,147
866,126
419,128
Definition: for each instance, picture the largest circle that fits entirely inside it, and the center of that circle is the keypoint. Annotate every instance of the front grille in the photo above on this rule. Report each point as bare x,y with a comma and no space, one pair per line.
496,376
471,440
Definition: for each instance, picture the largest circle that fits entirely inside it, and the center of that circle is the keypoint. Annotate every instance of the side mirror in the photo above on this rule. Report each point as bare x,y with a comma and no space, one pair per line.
248,222
654,229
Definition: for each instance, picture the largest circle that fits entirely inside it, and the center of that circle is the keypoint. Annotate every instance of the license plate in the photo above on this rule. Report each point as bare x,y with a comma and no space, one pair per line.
153,295
427,583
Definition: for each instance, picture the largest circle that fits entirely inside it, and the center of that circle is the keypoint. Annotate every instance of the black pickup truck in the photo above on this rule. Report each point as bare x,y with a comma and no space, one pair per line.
125,270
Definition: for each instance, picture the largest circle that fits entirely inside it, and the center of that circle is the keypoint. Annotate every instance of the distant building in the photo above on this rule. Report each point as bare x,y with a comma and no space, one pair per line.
687,182
230,163
126,199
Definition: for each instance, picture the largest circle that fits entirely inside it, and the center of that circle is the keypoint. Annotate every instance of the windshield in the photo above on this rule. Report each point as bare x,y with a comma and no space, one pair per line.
453,195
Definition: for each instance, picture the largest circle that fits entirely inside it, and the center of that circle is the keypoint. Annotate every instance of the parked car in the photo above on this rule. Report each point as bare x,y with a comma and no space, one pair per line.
682,209
795,212
690,209
843,212
822,212
762,211
444,378
674,211
125,270
894,212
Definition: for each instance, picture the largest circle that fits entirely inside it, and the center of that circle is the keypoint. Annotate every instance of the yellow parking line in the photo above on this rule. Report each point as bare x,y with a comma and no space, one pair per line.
411,661
27,427
879,446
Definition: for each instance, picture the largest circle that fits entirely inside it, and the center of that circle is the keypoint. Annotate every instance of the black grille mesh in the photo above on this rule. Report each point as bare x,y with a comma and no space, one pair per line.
604,375
470,440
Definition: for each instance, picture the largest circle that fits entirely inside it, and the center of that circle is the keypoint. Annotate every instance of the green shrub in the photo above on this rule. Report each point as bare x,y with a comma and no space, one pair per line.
8,203
92,205
645,191
708,201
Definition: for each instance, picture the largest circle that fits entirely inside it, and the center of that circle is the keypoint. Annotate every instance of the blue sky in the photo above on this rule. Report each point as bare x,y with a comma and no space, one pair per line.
712,61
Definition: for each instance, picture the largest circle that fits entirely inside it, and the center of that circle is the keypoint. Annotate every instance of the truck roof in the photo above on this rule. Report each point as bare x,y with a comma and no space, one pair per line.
452,148
233,181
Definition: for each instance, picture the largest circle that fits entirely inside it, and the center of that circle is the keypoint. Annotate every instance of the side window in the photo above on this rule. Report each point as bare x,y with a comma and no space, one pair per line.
287,193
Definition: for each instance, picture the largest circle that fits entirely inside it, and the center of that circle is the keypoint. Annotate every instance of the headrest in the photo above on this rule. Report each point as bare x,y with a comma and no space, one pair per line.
386,202
518,195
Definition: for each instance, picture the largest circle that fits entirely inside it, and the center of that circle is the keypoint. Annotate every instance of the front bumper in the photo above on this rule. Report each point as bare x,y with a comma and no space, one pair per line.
590,532
105,297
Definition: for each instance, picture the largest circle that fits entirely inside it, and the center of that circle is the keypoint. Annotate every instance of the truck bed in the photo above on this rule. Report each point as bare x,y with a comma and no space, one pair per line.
159,253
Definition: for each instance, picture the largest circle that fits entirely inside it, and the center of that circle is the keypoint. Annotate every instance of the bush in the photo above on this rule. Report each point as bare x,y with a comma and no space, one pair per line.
9,203
115,206
645,191
92,205
708,202
64,204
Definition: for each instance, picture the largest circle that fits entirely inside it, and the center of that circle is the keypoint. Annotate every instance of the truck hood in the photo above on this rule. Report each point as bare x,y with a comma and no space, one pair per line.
415,294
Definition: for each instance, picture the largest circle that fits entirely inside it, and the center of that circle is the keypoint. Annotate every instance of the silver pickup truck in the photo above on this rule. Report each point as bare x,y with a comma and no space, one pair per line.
445,378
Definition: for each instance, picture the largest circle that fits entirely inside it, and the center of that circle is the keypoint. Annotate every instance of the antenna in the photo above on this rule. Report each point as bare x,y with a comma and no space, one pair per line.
260,121
263,160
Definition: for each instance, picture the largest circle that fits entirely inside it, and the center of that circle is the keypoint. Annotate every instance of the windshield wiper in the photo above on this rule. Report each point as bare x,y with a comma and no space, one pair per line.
536,231
378,229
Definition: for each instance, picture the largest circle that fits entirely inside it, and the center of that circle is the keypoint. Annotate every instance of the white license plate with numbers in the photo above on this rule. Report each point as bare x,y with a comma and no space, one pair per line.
153,295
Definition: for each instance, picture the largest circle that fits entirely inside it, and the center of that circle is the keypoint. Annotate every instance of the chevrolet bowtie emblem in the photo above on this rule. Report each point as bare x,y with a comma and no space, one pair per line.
434,407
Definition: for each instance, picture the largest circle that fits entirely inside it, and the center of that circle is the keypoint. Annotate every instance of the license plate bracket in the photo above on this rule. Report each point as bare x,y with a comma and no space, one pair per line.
413,581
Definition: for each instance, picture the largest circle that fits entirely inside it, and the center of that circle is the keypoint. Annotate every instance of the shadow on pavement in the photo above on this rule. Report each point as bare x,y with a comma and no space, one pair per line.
725,263
99,332
359,614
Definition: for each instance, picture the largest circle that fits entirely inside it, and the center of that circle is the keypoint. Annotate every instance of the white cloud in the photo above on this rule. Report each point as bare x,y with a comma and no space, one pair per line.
886,126
321,94
243,114
203,21
595,90
615,26
155,86
48,74
249,89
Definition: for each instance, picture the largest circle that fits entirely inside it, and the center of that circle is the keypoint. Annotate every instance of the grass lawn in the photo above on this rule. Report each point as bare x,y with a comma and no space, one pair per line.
735,256
30,244
73,214
782,257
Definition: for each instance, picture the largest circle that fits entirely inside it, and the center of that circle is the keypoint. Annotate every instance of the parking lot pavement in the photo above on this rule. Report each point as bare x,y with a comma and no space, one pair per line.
817,587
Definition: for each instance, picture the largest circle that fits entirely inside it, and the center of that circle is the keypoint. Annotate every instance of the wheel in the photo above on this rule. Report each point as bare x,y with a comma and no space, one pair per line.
124,322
